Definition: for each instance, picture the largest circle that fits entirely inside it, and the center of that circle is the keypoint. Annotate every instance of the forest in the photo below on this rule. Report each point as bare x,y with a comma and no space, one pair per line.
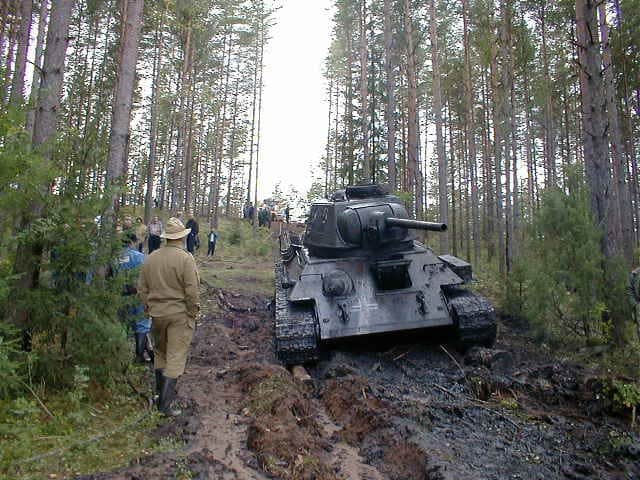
515,122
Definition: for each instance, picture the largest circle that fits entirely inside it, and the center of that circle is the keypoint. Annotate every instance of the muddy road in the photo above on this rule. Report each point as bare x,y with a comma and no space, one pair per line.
393,408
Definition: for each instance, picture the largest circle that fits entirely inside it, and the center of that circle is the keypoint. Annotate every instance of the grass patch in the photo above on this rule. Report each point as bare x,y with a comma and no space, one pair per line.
243,261
91,431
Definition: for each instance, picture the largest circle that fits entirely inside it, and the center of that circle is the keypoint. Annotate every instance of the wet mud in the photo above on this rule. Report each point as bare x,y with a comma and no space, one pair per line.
393,408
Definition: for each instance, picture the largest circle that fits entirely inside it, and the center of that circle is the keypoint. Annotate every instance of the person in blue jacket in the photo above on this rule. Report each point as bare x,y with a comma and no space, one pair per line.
129,263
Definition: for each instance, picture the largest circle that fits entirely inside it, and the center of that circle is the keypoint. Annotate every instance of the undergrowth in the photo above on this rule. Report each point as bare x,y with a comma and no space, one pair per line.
83,430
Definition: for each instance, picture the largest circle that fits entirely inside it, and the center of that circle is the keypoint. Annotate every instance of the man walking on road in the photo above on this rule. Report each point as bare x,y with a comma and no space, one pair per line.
169,287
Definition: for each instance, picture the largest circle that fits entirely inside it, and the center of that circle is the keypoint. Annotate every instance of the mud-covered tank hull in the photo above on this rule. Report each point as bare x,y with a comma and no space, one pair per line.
320,299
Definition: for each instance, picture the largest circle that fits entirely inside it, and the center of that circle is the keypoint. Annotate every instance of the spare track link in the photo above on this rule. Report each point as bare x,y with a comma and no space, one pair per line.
296,330
475,318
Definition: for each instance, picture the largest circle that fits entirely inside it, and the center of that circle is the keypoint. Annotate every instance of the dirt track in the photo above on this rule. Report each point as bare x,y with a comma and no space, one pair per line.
392,409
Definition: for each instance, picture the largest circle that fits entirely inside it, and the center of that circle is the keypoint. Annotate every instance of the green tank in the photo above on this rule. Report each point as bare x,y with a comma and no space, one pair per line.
359,270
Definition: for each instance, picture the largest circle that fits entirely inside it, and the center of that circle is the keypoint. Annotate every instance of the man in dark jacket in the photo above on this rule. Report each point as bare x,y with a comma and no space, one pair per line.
192,238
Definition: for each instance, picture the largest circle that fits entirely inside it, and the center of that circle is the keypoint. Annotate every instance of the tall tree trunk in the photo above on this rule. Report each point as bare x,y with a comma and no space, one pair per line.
28,257
260,88
364,93
221,135
506,119
549,129
153,127
471,134
254,87
618,163
390,87
596,151
17,87
232,147
443,202
498,135
412,113
349,108
35,79
125,81
327,163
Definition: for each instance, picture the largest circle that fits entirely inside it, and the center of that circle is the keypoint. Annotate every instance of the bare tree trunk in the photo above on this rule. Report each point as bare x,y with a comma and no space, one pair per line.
35,79
153,127
471,134
221,135
336,139
412,113
549,129
17,87
390,86
28,257
260,88
232,147
498,134
11,49
621,188
364,93
349,109
327,163
253,118
126,76
443,202
595,124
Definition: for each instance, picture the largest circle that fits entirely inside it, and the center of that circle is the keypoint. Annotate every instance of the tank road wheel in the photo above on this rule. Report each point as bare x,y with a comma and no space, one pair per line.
474,318
296,328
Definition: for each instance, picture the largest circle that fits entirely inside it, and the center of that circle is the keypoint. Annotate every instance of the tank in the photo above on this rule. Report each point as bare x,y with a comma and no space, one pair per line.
359,270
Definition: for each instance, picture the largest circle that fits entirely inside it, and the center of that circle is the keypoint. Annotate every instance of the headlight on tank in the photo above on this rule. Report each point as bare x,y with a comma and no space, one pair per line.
337,284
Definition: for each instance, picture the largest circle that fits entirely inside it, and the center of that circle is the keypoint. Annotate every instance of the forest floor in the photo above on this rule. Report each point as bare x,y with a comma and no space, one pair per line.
393,408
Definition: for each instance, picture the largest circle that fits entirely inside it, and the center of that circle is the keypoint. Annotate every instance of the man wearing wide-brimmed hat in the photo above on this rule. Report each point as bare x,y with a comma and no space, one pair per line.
169,288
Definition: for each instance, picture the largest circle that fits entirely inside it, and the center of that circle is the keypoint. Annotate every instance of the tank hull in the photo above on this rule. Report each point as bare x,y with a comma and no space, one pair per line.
370,307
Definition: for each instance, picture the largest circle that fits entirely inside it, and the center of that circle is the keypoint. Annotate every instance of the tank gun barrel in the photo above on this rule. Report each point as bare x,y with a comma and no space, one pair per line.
416,224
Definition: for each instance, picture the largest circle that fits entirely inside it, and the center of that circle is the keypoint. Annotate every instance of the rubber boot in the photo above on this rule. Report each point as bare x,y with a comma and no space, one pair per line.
140,344
167,396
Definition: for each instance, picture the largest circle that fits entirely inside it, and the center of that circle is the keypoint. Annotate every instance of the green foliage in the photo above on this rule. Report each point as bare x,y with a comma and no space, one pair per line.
558,283
13,362
240,237
72,312
92,430
235,234
624,395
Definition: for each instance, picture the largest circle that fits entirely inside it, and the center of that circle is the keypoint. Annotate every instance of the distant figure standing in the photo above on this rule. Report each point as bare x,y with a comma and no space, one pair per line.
264,217
154,230
127,224
141,233
286,214
213,238
169,286
156,204
192,238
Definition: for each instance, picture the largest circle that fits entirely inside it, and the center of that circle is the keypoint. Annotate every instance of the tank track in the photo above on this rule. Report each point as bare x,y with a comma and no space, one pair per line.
475,318
296,329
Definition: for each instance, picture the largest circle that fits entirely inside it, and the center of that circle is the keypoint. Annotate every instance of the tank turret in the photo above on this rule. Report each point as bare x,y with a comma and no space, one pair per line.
361,219
359,270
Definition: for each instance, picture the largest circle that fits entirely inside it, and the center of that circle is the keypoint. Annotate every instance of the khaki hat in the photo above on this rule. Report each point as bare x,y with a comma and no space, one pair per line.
175,230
